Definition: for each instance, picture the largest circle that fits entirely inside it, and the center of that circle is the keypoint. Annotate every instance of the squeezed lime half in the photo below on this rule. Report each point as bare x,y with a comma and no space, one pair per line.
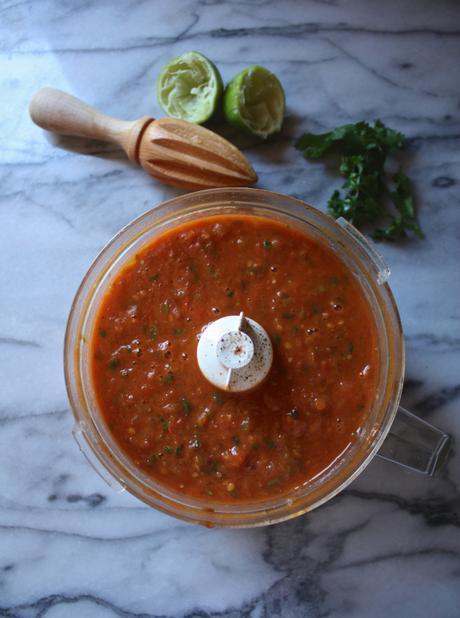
190,88
254,102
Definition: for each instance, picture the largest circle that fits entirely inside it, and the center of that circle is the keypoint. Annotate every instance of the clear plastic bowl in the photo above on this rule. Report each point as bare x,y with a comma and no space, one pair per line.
91,432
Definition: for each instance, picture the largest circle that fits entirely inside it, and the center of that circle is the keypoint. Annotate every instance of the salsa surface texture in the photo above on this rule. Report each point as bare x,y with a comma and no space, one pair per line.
175,425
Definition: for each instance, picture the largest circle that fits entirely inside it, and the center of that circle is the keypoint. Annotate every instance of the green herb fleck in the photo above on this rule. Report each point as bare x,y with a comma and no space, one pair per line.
167,450
316,310
364,150
213,272
218,397
179,451
165,307
114,363
153,332
178,332
273,482
287,315
151,459
210,492
168,378
294,413
277,339
351,347
164,423
102,332
333,280
268,244
193,269
269,443
186,405
229,293
236,440
154,278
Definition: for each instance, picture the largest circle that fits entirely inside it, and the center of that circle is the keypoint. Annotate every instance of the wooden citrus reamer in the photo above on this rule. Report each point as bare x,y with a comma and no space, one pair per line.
176,152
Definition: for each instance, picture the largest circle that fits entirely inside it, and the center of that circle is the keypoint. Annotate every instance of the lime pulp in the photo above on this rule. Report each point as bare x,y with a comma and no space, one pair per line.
254,102
190,88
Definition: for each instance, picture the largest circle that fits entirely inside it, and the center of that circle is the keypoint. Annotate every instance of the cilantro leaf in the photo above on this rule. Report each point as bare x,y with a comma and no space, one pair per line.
351,139
405,220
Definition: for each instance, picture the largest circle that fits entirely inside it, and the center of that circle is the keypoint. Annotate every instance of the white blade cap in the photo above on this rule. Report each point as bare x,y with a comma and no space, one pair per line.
234,353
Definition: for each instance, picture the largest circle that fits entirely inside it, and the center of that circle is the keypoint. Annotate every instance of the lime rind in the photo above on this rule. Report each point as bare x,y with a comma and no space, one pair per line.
190,88
254,102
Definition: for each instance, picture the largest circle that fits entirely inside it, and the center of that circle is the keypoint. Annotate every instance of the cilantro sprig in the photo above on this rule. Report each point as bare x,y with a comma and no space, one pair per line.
364,197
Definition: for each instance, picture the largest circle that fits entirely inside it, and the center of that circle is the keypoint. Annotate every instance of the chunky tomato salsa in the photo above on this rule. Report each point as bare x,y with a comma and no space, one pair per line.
201,441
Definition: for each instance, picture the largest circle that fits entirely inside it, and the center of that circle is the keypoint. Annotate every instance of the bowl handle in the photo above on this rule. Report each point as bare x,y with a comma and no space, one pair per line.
415,444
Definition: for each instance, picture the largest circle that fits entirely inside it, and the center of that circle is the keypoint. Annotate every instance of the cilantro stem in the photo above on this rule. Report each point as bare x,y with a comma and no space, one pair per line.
365,196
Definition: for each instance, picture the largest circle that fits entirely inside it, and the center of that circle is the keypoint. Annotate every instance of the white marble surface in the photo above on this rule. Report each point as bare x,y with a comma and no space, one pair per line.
390,544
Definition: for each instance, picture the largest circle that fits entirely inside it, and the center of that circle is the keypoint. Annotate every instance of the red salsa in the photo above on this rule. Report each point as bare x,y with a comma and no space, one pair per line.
203,442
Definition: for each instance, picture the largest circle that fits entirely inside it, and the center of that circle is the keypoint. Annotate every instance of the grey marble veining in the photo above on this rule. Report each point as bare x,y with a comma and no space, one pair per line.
69,546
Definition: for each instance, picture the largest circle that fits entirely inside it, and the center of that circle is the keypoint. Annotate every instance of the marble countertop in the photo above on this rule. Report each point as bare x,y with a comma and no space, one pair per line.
69,546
